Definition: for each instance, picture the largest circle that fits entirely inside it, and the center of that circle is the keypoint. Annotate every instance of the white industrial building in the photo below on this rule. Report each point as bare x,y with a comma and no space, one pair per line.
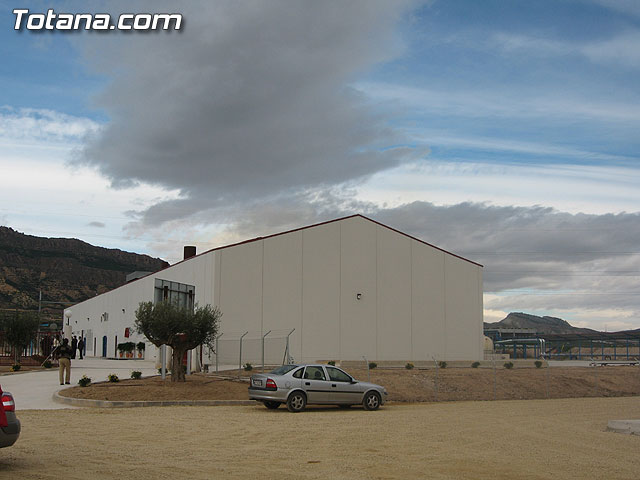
340,290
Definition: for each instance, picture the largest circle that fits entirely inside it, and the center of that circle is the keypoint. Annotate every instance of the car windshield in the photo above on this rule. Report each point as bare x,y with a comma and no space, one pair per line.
283,369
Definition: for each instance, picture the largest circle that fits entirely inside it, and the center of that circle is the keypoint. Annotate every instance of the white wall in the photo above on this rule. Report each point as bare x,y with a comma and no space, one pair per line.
417,302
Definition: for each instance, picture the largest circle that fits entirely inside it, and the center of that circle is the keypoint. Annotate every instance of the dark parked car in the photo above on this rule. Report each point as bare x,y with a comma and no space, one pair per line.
9,423
300,385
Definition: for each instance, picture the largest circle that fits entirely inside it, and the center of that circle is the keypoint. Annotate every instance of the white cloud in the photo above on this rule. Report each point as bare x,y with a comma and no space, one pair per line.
622,48
40,126
506,103
570,188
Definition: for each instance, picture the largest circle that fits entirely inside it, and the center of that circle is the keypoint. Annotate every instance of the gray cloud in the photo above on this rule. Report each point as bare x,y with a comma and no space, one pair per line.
250,100
96,224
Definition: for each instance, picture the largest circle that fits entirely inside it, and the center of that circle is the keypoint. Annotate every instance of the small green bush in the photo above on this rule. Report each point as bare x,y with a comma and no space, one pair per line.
475,364
372,365
84,381
508,365
442,364
331,362
136,374
15,367
538,364
113,378
409,366
247,367
47,364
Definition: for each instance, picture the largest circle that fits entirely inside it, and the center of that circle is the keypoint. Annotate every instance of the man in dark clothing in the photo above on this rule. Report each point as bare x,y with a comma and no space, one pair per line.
81,347
64,358
74,346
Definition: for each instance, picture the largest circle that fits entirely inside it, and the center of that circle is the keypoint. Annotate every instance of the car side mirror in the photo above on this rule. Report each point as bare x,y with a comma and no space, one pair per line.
353,381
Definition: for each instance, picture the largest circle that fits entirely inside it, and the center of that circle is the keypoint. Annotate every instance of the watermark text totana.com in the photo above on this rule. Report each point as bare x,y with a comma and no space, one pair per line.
95,21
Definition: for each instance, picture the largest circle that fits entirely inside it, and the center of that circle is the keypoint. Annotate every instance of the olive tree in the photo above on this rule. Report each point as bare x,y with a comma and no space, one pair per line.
183,329
20,328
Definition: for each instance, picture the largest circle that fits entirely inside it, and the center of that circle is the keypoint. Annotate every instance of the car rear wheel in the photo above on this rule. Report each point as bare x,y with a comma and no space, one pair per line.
371,401
271,405
296,402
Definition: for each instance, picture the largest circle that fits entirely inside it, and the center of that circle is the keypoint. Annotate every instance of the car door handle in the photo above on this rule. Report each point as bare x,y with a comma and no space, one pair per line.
333,384
307,383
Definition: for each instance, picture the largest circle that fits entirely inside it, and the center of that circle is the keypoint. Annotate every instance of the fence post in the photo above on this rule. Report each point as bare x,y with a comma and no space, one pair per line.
548,373
263,337
368,371
287,359
493,357
436,380
217,350
595,374
240,359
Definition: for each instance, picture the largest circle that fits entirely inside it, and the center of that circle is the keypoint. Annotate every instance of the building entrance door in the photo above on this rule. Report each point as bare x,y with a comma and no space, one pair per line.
104,346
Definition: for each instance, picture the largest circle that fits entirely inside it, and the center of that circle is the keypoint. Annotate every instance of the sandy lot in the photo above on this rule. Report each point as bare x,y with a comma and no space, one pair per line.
534,439
403,385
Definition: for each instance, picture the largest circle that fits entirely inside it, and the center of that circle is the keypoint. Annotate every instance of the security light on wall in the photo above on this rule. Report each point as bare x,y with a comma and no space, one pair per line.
358,296
123,310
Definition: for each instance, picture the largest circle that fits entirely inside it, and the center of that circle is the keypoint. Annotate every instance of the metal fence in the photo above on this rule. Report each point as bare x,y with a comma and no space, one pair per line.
254,348
39,348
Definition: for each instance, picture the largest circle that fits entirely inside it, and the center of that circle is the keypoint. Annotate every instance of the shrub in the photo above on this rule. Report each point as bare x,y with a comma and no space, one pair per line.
84,381
47,364
442,364
372,365
409,366
113,378
538,364
136,374
247,367
331,362
475,364
140,346
508,365
15,367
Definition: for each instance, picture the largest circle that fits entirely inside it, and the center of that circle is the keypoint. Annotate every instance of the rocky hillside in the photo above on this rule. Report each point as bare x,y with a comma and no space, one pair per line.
539,324
66,270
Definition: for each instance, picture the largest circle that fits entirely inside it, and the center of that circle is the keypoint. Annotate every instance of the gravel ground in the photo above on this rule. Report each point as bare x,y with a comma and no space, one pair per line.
533,439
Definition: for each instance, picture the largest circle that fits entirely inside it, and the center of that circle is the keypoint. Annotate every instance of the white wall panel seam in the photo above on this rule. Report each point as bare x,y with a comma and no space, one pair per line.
340,292
262,293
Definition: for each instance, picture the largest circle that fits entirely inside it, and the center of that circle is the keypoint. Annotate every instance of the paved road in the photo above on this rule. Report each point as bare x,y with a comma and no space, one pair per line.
33,390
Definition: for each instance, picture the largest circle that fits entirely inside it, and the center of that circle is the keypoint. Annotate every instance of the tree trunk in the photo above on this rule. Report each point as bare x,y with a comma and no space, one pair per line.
177,370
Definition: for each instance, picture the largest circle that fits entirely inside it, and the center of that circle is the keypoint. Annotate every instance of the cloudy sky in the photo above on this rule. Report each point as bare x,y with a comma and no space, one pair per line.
504,131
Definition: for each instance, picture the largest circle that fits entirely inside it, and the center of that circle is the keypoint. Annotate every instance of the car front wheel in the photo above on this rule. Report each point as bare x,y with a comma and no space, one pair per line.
271,405
371,401
296,402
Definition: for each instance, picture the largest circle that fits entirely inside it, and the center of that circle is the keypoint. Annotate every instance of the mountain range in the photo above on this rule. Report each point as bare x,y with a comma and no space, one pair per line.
65,270
539,324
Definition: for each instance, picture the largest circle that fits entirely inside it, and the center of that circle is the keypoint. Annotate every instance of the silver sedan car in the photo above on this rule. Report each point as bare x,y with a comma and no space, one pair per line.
300,385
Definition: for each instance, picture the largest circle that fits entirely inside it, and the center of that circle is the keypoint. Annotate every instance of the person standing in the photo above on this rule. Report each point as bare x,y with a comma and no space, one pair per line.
64,359
74,347
81,347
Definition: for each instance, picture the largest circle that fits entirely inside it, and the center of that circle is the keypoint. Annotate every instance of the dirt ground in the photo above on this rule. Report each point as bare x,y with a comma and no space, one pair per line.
403,385
534,439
